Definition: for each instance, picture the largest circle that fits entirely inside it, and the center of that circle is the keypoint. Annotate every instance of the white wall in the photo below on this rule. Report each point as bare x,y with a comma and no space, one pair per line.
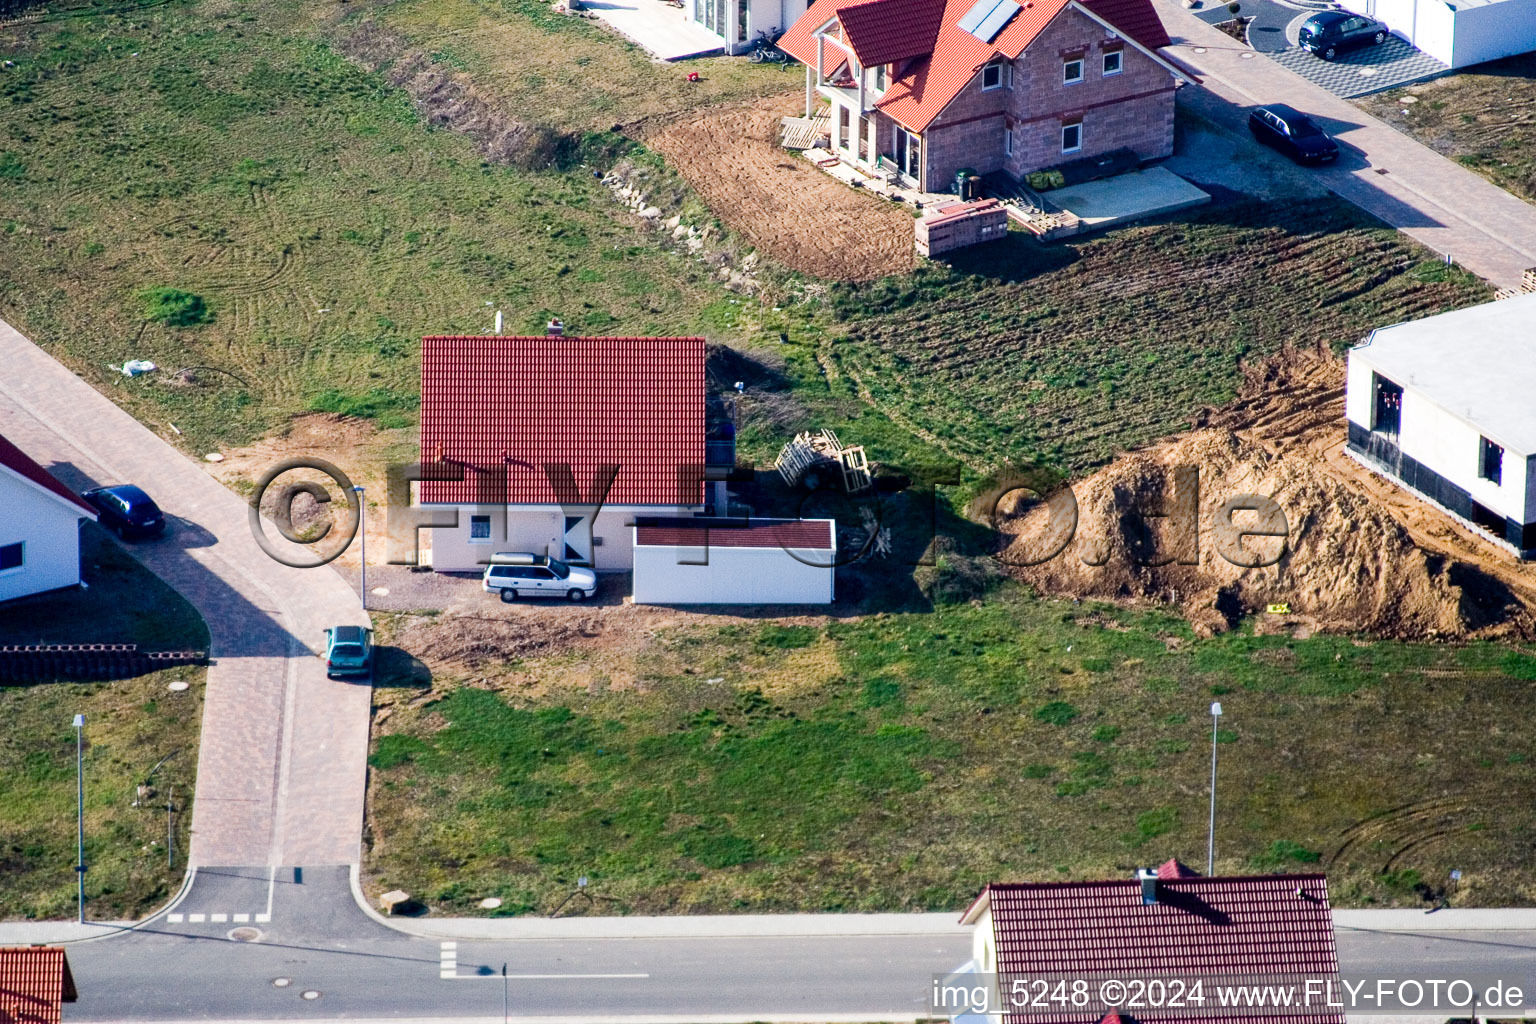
1457,34
733,576
540,529
1443,441
51,532
1496,30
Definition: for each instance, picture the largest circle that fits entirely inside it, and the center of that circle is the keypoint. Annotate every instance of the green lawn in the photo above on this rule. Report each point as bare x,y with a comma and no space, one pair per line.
900,761
130,726
225,150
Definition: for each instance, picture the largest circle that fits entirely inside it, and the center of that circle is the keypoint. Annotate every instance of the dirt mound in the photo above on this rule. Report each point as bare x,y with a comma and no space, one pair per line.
803,218
1344,563
474,640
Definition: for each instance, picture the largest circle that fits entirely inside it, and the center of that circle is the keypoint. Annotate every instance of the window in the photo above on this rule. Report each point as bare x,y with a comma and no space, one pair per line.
741,21
12,556
880,78
1490,461
1112,62
1071,137
1007,141
1387,417
1072,71
992,77
479,528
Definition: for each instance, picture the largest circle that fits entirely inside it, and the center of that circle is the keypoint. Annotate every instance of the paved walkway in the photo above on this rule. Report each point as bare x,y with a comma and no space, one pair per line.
1363,71
1409,186
281,771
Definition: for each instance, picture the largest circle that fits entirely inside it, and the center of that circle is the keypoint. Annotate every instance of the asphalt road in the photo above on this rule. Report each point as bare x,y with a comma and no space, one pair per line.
318,941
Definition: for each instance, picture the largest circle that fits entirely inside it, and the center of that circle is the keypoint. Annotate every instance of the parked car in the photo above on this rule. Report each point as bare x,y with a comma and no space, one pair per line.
348,651
1331,33
516,574
1292,133
126,510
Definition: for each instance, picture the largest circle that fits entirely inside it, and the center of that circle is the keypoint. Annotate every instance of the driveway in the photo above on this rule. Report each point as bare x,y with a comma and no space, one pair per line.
284,750
1409,186
1363,71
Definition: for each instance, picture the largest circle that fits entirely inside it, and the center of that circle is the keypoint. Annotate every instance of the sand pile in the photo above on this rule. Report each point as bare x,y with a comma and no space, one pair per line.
1343,564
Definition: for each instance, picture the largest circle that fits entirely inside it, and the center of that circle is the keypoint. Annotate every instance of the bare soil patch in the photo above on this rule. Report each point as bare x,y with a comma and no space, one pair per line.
1361,553
804,219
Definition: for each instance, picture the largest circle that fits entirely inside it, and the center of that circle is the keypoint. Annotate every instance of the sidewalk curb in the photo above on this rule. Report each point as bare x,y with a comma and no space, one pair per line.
1451,919
111,928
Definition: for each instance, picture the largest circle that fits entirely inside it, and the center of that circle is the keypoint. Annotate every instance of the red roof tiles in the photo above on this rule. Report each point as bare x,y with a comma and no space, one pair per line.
1254,927
34,981
919,92
1175,868
789,534
24,465
526,402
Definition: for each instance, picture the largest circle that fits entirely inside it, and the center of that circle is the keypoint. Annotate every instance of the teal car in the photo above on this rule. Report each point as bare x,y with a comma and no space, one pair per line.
348,651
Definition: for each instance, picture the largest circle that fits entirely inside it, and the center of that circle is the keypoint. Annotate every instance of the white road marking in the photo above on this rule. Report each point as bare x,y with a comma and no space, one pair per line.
241,918
196,918
218,918
173,919
263,918
449,954
540,977
271,884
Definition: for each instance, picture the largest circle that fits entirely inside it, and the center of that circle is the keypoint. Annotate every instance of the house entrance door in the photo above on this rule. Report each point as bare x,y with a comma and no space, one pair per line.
578,540
909,154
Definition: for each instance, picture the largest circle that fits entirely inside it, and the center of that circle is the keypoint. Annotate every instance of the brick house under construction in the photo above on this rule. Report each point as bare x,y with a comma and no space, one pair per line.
929,87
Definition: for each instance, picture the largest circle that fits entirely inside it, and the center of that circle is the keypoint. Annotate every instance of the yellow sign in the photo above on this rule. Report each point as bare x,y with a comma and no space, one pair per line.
1279,609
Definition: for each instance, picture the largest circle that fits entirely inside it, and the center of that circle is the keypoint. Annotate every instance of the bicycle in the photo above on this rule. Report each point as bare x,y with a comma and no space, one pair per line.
764,52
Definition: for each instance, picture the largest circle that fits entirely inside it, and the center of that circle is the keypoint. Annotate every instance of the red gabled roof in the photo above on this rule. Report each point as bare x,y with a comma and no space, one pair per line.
34,981
522,403
1254,927
789,534
24,465
887,31
937,73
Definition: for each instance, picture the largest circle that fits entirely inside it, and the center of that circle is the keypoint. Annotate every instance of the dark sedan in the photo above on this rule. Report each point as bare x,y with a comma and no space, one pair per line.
1331,33
1292,133
126,511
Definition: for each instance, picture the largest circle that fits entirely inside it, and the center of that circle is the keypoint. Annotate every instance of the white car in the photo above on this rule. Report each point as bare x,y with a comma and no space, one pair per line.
520,574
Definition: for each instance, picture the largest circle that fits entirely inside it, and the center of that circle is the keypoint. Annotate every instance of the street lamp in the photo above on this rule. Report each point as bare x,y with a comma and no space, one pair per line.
1210,842
362,512
80,810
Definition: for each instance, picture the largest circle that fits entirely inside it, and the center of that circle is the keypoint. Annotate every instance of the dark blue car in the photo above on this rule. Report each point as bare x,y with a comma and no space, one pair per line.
126,511
1331,33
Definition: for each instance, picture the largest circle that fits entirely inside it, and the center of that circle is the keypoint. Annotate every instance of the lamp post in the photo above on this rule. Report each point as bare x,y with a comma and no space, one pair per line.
1210,842
504,1003
80,811
362,532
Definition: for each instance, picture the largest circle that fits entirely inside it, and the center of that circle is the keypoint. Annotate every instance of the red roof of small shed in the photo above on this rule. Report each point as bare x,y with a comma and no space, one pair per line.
34,981
19,462
789,534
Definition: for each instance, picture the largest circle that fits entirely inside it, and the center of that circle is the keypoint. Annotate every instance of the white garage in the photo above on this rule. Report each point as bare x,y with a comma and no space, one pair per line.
716,560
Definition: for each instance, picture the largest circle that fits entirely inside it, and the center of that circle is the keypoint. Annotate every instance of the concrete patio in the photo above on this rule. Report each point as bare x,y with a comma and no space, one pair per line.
656,27
1147,193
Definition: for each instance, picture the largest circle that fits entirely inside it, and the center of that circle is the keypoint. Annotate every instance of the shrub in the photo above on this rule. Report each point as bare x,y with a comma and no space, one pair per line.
174,307
955,579
1057,712
387,407
1107,733
1044,181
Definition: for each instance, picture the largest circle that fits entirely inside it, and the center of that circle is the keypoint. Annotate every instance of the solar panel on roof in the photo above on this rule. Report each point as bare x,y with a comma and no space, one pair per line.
977,14
993,23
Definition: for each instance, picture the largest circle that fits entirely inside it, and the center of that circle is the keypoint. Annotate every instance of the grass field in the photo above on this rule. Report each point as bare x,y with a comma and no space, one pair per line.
225,150
1069,354
130,725
900,761
1481,117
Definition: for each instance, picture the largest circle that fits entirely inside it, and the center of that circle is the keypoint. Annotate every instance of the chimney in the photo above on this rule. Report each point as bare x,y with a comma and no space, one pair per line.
1148,879
555,328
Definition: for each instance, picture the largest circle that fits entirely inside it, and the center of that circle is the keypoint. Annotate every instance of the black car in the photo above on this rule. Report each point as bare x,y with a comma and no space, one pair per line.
1292,133
1333,32
126,510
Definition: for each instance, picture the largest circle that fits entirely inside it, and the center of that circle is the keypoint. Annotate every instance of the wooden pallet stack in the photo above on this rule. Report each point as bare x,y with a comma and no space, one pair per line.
956,225
814,455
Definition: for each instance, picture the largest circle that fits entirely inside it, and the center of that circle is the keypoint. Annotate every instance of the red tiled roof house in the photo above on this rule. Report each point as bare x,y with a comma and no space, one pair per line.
559,443
1170,923
34,982
929,87
39,527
